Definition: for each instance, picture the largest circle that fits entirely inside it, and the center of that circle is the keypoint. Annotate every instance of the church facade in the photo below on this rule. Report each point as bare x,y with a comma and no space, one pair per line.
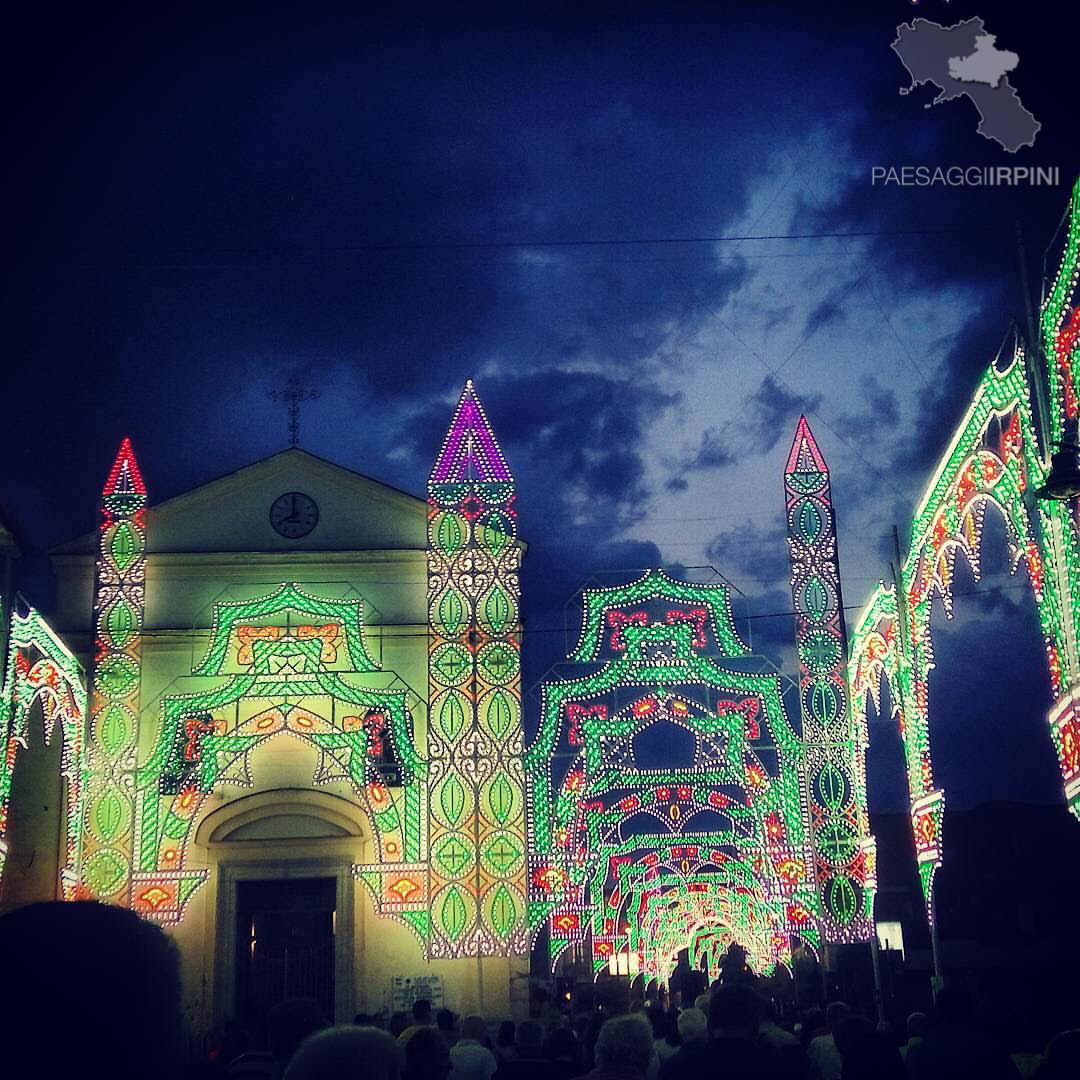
286,708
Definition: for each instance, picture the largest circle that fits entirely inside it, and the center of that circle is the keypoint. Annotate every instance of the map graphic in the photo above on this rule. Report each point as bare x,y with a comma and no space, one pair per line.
964,60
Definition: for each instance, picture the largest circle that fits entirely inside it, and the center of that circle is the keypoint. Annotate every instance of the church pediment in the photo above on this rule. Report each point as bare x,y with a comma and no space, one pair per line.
292,501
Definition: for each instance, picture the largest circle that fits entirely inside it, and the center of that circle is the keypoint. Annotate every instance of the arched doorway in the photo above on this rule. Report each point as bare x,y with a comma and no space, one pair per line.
285,919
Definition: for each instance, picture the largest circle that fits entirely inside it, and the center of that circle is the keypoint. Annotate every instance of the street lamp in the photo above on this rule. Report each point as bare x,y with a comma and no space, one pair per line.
1063,479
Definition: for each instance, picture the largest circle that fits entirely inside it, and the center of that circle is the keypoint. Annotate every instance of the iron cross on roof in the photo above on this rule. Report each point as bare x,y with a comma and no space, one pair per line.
293,395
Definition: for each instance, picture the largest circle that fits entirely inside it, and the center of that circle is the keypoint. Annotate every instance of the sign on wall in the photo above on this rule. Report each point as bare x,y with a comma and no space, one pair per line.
410,988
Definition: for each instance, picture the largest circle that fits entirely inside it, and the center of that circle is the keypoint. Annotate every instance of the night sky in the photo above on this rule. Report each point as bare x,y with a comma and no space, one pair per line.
555,203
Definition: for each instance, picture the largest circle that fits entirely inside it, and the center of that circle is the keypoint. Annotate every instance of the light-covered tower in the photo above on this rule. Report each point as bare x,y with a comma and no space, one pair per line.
835,744
476,799
119,597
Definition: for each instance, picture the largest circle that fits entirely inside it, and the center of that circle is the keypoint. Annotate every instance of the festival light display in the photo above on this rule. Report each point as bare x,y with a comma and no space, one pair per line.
476,797
119,598
642,861
1060,608
834,738
990,462
994,459
294,663
42,670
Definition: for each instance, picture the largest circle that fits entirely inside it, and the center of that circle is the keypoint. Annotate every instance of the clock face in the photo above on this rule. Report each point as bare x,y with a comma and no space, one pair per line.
294,514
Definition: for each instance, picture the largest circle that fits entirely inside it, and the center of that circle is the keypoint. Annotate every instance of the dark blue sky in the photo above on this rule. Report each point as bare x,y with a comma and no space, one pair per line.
205,203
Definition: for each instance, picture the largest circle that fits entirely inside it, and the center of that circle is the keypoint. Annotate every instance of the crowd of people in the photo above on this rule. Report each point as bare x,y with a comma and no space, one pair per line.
91,985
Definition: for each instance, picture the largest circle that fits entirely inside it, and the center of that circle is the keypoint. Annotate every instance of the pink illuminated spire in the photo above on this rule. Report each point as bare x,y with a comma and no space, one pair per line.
805,455
469,451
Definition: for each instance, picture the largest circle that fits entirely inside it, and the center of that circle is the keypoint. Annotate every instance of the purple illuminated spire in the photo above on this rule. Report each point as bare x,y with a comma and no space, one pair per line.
469,451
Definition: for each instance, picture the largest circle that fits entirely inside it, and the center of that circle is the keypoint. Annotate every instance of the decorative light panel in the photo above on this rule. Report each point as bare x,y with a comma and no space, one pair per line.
991,461
41,669
640,861
835,741
476,795
119,598
274,666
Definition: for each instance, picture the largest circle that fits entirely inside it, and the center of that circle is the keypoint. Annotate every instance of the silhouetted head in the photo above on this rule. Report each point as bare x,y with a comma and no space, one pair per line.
399,1021
562,1045
656,1018
854,1035
529,1038
954,1007
427,1057
734,1013
474,1027
916,1025
625,1044
445,1020
290,1022
342,1052
693,1025
121,969
506,1035
836,1013
421,1011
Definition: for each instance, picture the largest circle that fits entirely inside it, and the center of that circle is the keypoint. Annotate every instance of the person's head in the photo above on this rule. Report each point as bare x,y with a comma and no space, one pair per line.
813,1020
362,1019
475,1028
399,1021
855,1036
445,1020
625,1044
529,1038
693,1025
655,1016
916,1025
119,961
427,1057
734,1013
340,1052
421,1011
836,1012
506,1033
702,1002
562,1045
290,1022
954,1007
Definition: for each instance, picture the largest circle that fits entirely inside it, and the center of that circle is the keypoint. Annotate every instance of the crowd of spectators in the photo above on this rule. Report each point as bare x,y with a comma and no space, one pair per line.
89,987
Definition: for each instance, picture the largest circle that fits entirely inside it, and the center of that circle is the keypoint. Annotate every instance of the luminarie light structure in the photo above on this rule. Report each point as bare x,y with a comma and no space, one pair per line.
476,796
119,600
642,860
41,670
834,738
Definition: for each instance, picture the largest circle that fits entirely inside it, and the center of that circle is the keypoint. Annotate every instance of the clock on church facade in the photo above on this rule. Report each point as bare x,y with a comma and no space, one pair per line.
294,514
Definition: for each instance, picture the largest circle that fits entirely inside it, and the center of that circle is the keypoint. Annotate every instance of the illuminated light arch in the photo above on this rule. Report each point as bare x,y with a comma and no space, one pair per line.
1060,528
259,680
476,848
833,735
992,460
40,668
596,871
